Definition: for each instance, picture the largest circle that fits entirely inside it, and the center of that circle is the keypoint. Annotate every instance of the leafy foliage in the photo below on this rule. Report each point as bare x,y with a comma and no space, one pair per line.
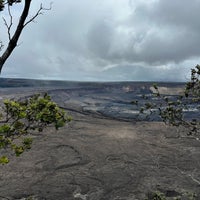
20,118
172,110
156,196
9,2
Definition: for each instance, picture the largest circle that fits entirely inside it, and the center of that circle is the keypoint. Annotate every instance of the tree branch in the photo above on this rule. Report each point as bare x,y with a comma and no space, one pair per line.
1,45
10,24
13,41
21,24
39,12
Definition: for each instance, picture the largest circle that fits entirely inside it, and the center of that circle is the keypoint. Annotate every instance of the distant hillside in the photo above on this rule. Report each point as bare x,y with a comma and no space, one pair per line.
129,85
15,82
12,82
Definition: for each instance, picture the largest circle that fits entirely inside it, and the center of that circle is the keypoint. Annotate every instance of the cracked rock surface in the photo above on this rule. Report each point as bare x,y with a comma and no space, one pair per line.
97,158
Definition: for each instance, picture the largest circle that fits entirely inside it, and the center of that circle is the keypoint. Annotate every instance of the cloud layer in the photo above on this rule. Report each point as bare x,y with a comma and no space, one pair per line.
110,40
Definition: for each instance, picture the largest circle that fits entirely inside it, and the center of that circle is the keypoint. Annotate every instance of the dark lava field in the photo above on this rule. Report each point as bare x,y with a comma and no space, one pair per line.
108,151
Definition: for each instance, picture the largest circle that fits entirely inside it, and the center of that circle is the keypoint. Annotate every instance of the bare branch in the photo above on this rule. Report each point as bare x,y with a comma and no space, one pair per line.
13,42
9,26
39,12
19,28
1,45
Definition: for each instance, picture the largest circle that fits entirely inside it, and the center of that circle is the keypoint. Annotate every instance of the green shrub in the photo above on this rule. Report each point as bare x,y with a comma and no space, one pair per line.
20,118
171,110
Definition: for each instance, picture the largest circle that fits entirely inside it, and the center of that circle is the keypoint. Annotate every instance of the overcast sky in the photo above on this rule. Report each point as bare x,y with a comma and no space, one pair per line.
109,40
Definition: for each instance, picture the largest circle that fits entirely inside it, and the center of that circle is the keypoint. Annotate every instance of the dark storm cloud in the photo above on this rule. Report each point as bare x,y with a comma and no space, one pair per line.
180,13
173,32
160,33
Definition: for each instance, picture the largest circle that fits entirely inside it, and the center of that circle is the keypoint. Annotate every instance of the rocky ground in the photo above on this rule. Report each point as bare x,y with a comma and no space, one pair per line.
97,158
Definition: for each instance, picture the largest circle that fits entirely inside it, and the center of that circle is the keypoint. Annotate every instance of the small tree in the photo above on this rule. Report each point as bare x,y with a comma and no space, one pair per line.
20,118
23,22
172,110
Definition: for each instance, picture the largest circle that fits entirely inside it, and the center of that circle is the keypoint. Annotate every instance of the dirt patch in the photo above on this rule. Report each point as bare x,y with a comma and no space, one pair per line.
169,90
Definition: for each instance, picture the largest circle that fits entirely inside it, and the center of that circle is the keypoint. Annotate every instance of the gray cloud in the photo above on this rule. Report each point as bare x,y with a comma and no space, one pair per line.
109,40
100,39
174,30
180,13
